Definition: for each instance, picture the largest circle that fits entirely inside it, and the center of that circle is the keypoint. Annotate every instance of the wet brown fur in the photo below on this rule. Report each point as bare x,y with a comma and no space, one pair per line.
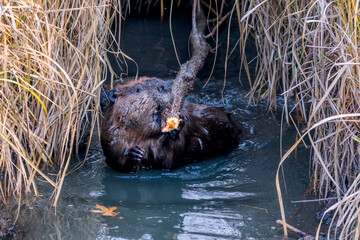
132,122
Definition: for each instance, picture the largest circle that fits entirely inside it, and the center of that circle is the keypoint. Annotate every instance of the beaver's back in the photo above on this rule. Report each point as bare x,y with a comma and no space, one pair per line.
211,132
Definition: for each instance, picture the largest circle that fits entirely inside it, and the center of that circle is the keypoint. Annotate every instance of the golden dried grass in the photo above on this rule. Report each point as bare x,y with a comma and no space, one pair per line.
309,50
52,61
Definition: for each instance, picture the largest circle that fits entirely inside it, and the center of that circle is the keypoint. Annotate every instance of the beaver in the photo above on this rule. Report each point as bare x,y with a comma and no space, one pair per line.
131,135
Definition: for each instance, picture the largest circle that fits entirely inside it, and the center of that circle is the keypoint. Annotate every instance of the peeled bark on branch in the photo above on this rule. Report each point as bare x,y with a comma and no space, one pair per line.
185,79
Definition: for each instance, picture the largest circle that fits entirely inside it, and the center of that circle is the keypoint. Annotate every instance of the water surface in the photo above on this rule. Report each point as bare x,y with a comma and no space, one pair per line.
229,197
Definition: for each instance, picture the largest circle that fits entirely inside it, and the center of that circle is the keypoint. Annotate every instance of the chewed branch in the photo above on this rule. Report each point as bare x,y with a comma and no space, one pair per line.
185,79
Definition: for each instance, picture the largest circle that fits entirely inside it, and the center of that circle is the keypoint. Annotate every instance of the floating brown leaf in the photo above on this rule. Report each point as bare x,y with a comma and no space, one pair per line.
106,211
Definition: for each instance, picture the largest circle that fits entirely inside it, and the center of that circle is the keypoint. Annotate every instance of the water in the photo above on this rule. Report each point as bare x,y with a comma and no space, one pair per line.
229,197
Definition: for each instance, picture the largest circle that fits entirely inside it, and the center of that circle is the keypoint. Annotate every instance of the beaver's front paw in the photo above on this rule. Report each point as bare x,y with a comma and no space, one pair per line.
136,155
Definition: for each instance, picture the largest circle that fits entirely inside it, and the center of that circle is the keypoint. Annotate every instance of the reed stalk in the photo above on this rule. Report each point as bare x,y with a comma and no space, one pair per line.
309,51
52,65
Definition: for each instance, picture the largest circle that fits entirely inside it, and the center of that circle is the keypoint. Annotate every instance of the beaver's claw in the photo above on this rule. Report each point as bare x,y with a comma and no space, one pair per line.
136,154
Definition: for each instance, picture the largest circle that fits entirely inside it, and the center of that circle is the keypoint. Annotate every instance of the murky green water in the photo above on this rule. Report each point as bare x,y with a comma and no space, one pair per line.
230,197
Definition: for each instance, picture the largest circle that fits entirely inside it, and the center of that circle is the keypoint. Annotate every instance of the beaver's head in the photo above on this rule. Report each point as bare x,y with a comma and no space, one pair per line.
137,106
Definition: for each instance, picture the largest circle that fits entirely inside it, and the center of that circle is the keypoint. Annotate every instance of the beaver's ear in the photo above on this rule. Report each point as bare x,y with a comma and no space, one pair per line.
113,94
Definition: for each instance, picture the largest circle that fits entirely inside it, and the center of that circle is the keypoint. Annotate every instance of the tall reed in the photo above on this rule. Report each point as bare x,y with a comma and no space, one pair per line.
52,65
309,50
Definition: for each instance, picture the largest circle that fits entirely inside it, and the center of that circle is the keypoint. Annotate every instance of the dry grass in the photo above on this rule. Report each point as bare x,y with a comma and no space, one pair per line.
309,50
52,60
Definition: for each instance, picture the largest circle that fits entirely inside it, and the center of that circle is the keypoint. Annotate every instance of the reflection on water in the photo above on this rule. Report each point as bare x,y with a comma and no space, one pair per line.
212,225
230,197
201,194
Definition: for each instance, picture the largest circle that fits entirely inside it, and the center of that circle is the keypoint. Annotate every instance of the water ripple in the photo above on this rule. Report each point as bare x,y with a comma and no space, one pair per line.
202,194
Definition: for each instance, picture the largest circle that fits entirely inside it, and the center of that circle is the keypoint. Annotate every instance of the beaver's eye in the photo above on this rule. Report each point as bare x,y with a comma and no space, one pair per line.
161,89
113,94
139,89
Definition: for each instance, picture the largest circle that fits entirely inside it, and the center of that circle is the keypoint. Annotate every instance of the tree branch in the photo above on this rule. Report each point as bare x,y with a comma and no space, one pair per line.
185,79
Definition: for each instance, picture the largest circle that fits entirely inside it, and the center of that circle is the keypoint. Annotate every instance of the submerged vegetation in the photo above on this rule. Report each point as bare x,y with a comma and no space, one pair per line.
53,61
